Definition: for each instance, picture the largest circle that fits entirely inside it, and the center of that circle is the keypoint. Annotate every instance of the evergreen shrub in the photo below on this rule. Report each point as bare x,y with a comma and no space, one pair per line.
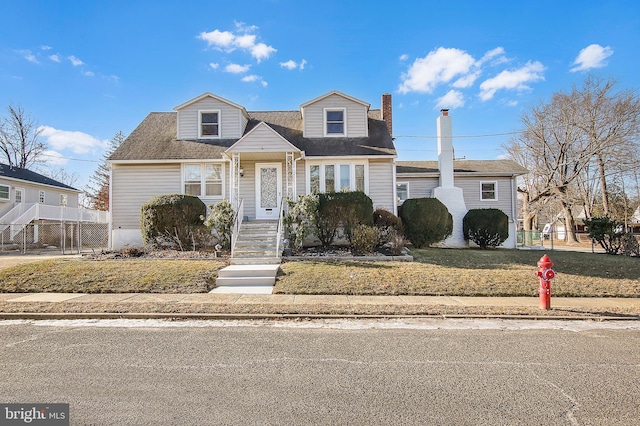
170,220
426,221
486,227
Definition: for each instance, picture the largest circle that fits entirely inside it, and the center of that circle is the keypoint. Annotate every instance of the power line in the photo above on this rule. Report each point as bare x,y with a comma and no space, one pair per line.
458,137
69,158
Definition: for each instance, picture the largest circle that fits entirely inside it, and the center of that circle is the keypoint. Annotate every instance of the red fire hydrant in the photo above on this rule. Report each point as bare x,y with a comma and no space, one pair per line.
546,274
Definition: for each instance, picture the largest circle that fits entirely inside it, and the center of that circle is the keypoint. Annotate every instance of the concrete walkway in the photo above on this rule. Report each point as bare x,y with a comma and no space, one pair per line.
343,300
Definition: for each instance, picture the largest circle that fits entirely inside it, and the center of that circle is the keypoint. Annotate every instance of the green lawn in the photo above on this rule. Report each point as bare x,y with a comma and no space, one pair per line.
433,272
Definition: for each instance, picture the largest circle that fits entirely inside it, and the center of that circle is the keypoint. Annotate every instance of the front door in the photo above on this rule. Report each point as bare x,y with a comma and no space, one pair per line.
268,190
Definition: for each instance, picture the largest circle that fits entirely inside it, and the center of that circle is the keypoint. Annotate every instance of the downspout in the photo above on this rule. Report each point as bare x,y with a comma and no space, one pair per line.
110,237
395,189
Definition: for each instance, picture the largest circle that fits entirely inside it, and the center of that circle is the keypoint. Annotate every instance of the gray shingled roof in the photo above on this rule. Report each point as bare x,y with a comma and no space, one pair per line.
492,167
155,139
30,176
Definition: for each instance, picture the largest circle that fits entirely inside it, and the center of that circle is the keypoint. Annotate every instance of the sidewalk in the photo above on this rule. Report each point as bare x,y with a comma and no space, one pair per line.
176,305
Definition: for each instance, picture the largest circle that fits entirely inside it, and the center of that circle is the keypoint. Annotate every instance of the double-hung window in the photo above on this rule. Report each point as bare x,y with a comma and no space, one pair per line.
402,192
335,122
336,177
489,191
209,124
203,180
4,192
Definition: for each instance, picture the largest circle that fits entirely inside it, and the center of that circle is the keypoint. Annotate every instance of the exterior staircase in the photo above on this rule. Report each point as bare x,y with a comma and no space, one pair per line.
256,244
254,263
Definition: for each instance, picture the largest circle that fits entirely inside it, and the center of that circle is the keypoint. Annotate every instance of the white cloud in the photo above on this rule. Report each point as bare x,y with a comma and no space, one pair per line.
88,73
493,53
404,57
45,47
254,79
512,79
227,41
592,56
74,141
55,58
237,68
453,99
439,66
54,158
292,65
467,80
214,65
28,55
75,61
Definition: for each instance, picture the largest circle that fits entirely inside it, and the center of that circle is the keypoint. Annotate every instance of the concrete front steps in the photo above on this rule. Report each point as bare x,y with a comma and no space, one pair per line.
256,244
247,279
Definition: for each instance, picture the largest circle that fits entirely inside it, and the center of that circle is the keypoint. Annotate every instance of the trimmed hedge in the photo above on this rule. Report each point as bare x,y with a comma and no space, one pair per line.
486,227
346,209
171,219
426,221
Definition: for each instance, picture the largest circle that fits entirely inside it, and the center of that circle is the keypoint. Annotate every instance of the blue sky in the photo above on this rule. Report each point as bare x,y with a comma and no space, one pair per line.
86,70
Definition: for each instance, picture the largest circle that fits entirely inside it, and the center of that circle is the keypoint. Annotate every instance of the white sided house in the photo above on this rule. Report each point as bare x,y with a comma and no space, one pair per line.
27,197
215,149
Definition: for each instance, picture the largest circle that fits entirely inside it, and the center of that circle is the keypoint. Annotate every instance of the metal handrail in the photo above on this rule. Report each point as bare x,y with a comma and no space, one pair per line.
279,234
237,223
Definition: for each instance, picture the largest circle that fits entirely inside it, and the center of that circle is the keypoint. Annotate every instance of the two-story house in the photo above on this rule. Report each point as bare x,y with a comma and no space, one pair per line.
215,149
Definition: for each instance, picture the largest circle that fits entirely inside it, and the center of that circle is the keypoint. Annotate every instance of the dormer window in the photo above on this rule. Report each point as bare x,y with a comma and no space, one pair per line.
335,123
209,124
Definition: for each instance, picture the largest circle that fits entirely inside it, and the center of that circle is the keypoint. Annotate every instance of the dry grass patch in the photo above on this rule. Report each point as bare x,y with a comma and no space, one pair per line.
111,276
466,273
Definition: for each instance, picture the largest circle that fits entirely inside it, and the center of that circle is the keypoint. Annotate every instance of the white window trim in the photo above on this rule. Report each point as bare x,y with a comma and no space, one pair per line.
204,111
495,190
203,181
42,197
336,174
398,201
344,121
8,193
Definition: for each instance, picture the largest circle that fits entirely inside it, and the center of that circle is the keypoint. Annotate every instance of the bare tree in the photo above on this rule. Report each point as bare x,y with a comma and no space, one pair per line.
19,138
609,121
98,189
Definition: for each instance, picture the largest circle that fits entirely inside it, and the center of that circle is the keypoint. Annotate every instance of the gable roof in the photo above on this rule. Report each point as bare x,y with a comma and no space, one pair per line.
209,95
16,173
463,167
155,139
283,144
334,92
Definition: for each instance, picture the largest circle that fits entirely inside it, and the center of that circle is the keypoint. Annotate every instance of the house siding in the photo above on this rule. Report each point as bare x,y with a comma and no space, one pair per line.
262,139
419,187
356,116
134,185
471,191
381,184
232,121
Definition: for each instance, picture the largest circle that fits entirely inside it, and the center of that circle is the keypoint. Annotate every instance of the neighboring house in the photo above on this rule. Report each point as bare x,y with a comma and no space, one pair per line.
27,196
215,149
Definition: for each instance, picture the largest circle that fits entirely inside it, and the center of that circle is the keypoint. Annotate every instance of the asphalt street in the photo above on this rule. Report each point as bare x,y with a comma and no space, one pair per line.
321,372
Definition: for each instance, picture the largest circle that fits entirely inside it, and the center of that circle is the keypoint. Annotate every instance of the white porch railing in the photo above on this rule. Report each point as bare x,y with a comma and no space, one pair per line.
237,223
280,230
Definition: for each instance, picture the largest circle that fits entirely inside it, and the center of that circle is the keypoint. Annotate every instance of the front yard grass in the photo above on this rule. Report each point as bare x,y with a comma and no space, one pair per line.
433,272
111,276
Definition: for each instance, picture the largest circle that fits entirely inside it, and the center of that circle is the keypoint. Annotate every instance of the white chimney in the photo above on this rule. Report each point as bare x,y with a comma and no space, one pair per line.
445,149
447,193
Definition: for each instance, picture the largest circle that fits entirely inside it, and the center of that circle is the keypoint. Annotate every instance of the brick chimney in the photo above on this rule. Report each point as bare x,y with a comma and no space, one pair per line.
386,111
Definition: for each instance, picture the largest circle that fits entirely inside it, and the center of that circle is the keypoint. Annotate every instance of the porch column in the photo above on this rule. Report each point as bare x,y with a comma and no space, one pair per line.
290,176
235,180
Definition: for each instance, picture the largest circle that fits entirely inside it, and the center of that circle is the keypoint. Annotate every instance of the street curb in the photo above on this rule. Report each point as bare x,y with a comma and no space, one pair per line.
214,316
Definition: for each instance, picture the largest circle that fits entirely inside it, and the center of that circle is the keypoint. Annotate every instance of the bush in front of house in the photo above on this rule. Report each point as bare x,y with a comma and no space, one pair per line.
486,227
390,231
220,220
173,220
364,239
299,217
341,209
426,221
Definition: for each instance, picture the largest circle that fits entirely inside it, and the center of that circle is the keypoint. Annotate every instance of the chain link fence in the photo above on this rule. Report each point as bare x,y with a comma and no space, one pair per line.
65,237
